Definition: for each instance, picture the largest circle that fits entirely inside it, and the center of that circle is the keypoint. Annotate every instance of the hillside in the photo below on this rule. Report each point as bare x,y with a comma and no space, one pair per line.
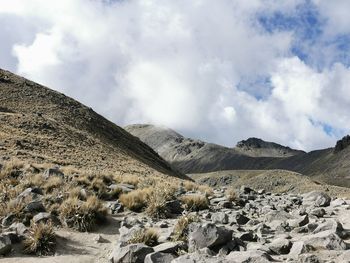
193,156
41,125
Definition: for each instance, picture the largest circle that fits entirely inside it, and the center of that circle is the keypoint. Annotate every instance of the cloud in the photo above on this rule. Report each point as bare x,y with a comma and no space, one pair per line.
208,69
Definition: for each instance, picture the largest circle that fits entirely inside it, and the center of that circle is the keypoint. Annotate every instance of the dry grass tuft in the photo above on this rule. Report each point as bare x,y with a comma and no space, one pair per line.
11,168
149,237
195,202
232,195
83,216
41,240
52,183
136,200
180,232
205,189
157,200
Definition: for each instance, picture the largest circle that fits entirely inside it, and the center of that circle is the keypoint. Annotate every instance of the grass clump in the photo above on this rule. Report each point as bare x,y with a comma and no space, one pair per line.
232,195
180,232
52,183
41,240
157,201
195,202
149,237
83,215
136,200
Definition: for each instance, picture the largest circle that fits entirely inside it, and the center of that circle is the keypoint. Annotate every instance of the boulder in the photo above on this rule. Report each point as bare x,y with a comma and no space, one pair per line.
135,253
34,207
170,247
280,246
300,247
219,217
317,199
5,244
41,217
242,219
55,171
325,240
207,235
159,257
333,226
252,256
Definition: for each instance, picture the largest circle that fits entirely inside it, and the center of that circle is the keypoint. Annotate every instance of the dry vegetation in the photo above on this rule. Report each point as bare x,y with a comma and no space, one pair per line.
181,228
147,236
41,240
195,202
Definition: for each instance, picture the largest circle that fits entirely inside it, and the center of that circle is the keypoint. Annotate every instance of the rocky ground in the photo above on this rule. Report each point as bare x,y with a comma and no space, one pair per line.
241,226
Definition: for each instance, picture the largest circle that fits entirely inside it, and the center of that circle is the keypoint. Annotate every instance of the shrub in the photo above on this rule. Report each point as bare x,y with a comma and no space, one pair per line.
149,237
156,201
205,189
83,216
190,186
232,195
52,183
195,202
180,231
41,240
135,200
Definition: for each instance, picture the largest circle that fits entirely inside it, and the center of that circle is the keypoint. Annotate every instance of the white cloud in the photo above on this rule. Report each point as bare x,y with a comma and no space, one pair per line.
180,64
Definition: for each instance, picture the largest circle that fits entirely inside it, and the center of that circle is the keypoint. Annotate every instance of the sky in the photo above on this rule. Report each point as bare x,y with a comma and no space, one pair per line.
221,71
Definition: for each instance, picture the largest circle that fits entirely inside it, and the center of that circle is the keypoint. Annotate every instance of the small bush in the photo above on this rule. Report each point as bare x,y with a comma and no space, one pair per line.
205,189
135,200
156,203
180,232
83,216
149,237
232,195
41,240
52,183
195,202
190,186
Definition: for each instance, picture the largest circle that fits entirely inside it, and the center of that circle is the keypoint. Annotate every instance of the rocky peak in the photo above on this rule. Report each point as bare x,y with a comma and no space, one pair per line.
342,144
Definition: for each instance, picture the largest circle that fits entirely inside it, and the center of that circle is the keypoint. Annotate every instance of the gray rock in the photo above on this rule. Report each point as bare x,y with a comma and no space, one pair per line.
207,235
34,207
115,207
174,207
131,253
308,258
55,171
202,255
8,220
302,221
333,226
300,247
5,244
318,199
325,240
41,217
170,247
280,246
318,212
35,193
249,257
159,257
219,217
19,228
247,236
242,219
126,188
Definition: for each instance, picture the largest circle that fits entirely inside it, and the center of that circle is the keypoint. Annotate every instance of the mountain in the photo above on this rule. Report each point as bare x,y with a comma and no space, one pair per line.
42,125
330,165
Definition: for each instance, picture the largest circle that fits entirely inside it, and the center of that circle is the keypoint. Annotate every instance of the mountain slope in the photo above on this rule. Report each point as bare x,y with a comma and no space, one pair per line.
193,156
40,124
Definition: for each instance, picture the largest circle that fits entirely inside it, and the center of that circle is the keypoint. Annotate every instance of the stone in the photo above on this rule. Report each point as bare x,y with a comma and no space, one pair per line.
207,235
115,207
135,253
219,217
318,212
170,247
318,199
325,240
5,244
249,257
35,193
280,246
126,188
8,220
174,207
248,236
55,171
202,255
333,226
41,217
159,257
300,247
19,228
308,258
34,207
242,219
